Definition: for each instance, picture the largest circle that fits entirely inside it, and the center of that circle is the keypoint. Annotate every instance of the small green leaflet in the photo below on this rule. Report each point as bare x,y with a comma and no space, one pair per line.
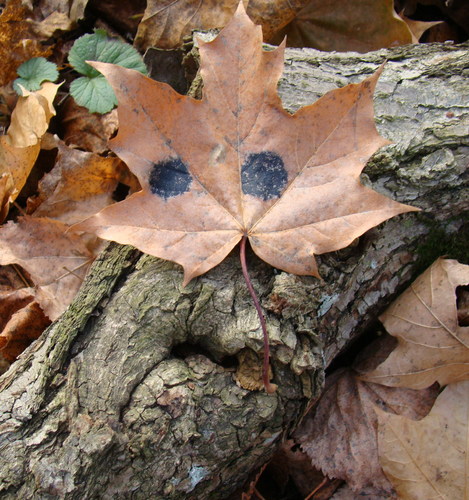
92,90
33,73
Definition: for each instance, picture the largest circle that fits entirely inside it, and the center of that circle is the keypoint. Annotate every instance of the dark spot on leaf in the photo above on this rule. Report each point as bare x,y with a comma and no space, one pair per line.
170,178
264,175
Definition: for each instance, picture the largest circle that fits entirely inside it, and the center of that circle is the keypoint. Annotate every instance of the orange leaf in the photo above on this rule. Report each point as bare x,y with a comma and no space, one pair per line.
236,163
432,346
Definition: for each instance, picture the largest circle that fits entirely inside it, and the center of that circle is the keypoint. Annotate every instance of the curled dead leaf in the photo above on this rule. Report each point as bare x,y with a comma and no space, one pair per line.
31,116
15,167
24,322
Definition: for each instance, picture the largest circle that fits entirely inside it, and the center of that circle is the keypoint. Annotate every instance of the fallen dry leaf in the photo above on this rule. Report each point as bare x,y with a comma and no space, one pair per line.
429,458
344,25
236,164
56,261
22,321
55,21
166,23
85,130
15,167
339,434
31,116
20,148
74,9
79,185
418,28
18,42
432,347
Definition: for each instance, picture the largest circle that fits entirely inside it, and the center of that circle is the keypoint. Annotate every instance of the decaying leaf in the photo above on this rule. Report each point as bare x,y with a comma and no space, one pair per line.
166,23
85,130
54,22
79,185
344,25
20,148
429,458
418,28
249,371
56,261
18,42
22,321
339,435
432,346
15,166
237,164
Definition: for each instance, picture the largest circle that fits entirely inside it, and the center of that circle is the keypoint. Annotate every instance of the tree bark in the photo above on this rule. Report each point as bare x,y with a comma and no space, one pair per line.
135,391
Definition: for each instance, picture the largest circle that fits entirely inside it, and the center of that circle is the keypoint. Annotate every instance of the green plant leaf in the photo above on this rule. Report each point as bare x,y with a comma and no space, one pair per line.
33,73
93,93
92,90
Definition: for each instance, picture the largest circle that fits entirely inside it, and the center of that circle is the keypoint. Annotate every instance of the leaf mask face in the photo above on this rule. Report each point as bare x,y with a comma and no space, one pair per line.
236,163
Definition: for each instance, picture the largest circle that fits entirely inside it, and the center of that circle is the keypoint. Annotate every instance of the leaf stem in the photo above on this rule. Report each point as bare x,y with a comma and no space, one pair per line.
270,388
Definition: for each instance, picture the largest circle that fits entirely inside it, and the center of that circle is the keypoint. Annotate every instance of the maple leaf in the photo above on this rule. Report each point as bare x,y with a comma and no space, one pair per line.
428,458
236,164
432,346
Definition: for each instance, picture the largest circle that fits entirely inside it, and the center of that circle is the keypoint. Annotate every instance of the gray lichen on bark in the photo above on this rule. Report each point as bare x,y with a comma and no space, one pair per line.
132,392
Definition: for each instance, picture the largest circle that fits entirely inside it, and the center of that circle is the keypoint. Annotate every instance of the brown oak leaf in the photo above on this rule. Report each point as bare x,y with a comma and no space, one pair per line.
235,164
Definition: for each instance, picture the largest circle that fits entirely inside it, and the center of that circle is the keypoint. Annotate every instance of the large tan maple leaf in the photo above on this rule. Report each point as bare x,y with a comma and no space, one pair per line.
237,164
